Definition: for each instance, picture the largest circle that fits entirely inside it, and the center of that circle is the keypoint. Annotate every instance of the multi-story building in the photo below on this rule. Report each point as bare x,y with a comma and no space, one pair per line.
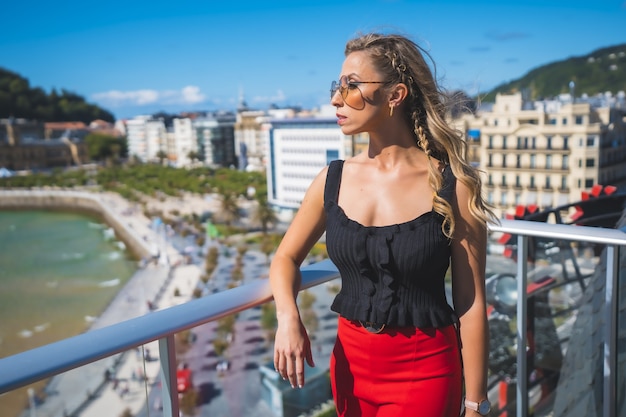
23,146
215,135
147,138
136,137
185,144
250,146
546,153
156,140
298,148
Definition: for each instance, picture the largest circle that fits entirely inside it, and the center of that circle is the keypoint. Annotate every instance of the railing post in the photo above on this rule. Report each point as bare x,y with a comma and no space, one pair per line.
610,330
169,388
521,405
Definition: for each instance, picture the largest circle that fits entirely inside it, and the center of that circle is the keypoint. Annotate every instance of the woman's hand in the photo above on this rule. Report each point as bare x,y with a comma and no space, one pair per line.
291,348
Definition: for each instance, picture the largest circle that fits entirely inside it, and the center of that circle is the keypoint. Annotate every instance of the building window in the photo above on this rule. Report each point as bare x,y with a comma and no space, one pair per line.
534,142
503,161
503,184
565,143
490,160
579,120
548,161
552,121
517,181
503,142
591,140
490,142
518,161
519,142
518,199
588,182
548,185
503,199
564,121
590,162
532,181
565,162
490,197
549,142
563,182
533,160
490,180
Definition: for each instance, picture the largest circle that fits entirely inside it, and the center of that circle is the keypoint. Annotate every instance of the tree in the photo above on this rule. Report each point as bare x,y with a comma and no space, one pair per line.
189,402
229,208
268,245
101,147
263,213
193,156
161,155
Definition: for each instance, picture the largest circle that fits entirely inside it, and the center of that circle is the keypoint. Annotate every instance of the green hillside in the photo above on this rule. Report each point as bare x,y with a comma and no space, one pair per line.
600,71
18,99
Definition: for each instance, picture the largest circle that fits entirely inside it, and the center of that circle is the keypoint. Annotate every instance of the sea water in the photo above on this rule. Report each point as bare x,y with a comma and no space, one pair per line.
58,272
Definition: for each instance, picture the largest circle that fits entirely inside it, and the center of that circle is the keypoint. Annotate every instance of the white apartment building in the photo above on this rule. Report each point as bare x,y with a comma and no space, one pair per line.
185,143
136,137
146,137
298,149
156,139
547,153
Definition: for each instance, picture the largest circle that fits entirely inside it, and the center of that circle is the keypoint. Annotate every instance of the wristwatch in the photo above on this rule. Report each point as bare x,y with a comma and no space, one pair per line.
483,407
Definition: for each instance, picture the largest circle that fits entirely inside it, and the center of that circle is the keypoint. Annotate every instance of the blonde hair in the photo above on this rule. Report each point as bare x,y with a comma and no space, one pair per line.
401,60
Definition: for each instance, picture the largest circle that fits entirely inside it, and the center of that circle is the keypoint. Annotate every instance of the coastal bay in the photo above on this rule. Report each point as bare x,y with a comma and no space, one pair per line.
58,271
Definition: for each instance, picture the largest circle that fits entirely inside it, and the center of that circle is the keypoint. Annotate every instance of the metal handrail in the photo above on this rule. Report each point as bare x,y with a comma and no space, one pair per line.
42,362
30,366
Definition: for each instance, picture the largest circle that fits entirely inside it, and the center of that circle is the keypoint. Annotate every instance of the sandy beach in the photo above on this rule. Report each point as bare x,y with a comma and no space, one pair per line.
161,283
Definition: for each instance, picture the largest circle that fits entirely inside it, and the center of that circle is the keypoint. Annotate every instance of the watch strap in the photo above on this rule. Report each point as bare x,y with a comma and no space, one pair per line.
472,405
478,406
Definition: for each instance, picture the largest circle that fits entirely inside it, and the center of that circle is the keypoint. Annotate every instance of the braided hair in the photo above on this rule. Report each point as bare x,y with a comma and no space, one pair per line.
400,60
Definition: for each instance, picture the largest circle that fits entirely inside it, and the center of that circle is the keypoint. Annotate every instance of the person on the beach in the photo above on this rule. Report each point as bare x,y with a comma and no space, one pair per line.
396,217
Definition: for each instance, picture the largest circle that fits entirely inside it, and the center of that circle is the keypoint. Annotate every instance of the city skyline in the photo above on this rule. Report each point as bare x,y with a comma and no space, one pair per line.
137,58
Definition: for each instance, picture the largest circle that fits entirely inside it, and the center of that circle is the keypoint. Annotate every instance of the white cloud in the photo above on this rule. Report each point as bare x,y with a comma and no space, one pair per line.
190,94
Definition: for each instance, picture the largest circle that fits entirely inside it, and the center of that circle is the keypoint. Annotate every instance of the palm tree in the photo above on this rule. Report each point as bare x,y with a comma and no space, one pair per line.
161,155
229,207
264,214
193,156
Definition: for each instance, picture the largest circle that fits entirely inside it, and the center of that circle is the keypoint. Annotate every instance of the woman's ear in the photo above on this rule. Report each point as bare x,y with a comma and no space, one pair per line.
398,94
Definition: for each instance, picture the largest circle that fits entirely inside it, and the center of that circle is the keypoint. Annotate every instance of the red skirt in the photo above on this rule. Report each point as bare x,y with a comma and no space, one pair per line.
403,371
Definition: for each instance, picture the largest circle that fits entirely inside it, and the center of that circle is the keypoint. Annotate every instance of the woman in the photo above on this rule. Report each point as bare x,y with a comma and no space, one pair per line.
395,218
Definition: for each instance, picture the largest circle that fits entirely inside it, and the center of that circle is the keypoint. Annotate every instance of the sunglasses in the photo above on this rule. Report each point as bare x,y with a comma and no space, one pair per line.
350,91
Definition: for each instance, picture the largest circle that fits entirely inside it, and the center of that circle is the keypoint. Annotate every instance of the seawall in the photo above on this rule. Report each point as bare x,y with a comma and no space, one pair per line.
76,201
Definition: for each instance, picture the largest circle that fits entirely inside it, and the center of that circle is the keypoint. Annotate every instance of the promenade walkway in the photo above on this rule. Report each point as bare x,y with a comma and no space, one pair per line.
84,391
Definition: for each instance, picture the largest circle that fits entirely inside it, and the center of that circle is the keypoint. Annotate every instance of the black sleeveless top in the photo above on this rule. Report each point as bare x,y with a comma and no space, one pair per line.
390,274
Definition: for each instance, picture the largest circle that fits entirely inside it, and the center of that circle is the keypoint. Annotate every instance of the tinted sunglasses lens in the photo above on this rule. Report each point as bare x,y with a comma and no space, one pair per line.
352,96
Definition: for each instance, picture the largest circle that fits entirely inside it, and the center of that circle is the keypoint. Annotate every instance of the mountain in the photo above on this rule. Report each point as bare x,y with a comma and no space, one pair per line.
600,71
18,99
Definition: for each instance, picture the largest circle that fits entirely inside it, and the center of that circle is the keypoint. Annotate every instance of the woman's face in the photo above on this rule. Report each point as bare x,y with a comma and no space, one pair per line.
358,95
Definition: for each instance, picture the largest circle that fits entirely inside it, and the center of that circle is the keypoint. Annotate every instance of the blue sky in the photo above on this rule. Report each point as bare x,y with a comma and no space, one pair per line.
136,57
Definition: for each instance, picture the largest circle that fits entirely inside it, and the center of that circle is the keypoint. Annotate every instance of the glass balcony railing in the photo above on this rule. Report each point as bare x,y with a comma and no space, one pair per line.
556,324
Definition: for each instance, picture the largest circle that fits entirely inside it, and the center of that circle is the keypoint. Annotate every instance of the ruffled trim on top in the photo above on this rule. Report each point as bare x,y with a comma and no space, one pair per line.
437,316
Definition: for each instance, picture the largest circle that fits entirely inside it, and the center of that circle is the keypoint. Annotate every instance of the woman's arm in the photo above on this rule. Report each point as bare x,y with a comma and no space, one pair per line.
292,346
469,248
